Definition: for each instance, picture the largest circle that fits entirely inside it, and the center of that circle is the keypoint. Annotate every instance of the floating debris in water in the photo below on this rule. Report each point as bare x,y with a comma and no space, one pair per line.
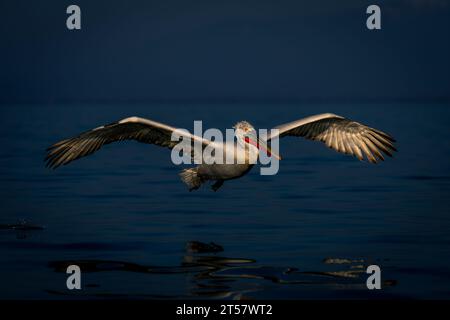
23,225
200,247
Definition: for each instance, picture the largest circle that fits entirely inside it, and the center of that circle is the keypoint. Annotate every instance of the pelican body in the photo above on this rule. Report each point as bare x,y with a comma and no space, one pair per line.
338,133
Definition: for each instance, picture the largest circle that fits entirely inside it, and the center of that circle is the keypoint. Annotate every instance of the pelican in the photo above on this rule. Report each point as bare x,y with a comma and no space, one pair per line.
338,133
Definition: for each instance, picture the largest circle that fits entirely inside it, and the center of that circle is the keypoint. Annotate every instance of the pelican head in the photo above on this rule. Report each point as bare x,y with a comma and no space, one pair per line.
246,136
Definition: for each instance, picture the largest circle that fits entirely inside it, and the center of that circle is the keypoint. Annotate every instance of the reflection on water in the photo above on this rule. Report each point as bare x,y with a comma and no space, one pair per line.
200,247
216,276
124,215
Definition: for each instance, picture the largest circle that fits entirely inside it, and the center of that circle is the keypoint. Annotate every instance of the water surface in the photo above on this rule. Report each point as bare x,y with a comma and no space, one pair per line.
124,216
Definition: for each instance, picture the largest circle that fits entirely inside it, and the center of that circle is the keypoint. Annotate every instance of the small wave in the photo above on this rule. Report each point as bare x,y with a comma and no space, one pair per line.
217,276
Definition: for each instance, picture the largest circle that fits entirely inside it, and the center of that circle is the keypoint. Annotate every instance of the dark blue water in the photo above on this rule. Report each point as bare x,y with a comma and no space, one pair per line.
124,216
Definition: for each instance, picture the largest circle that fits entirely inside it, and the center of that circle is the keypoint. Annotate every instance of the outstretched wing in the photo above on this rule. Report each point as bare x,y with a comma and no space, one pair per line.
133,128
341,134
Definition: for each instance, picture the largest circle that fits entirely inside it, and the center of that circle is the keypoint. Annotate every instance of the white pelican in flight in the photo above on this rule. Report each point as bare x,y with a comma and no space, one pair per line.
341,134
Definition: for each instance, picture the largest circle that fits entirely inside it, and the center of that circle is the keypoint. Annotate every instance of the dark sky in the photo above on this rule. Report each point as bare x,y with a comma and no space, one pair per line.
219,50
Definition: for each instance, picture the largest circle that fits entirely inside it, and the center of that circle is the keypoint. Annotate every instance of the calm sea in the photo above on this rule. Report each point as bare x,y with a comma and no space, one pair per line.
126,219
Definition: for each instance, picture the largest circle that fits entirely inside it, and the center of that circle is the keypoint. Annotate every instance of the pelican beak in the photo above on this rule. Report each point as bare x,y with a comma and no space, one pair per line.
261,145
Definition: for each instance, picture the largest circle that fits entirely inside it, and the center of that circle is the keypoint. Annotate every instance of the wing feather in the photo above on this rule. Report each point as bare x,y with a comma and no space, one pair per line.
380,145
341,134
132,128
372,148
365,149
